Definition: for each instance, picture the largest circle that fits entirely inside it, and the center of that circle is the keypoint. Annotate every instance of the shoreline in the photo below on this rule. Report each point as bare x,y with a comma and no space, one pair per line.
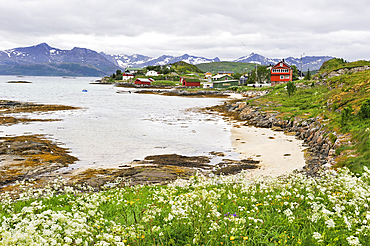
277,152
261,149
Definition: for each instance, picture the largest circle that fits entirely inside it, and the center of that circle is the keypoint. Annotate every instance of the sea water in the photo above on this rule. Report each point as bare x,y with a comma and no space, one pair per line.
111,128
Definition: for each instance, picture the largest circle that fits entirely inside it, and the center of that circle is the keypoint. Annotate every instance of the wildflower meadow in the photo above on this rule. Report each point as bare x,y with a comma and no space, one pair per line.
224,210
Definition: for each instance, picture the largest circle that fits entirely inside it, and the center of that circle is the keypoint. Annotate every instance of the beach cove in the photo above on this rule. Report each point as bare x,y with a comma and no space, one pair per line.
218,144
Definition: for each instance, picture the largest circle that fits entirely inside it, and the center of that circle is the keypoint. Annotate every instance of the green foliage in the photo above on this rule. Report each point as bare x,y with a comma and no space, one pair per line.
345,115
291,88
332,138
233,88
236,67
296,74
263,75
237,76
332,64
165,82
308,75
365,109
183,67
117,76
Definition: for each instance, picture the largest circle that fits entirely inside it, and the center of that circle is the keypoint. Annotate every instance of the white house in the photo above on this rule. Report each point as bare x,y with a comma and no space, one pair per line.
220,77
151,73
127,76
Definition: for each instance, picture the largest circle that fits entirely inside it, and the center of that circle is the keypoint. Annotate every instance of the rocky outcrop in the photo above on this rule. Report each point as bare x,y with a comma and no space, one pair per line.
344,71
321,149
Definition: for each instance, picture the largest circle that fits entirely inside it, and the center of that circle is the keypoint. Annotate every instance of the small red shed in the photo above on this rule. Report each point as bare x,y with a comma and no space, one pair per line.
281,73
139,81
190,82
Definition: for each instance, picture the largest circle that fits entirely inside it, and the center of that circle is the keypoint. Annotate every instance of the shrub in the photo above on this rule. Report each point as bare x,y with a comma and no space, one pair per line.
345,115
291,88
332,138
365,109
233,88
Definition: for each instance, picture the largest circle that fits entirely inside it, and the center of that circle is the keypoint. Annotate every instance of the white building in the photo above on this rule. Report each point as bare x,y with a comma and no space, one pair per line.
151,73
127,76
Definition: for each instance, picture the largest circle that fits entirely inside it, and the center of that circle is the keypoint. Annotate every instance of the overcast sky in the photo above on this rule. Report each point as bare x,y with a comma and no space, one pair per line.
227,29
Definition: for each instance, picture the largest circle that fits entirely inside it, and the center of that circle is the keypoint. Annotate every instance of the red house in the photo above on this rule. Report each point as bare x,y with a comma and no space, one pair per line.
190,81
281,73
139,81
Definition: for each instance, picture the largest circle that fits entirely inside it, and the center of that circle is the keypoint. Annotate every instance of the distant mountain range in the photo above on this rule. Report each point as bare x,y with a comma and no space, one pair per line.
44,60
308,62
144,61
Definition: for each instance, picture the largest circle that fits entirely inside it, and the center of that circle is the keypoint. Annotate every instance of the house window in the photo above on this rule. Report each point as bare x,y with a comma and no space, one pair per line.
281,64
286,76
281,76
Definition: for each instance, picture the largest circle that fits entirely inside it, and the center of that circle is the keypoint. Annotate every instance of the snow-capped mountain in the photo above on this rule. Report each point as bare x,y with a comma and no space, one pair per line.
143,61
308,62
44,54
82,61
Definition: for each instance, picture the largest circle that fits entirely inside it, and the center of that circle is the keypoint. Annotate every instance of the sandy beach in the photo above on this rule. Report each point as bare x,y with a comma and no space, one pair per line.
277,152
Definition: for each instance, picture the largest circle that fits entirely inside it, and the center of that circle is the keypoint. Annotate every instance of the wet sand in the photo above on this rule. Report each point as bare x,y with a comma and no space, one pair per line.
277,152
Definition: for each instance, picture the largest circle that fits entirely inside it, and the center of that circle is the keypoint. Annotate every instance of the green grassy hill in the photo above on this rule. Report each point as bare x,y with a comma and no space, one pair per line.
236,67
338,63
183,68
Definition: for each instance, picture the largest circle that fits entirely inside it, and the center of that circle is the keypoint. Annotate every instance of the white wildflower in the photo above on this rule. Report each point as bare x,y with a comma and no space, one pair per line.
317,236
352,240
330,223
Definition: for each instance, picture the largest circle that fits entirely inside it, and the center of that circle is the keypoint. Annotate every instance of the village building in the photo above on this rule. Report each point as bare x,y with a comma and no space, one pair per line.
127,76
133,70
190,81
224,84
243,79
152,73
221,77
207,85
141,81
207,75
231,73
223,81
281,73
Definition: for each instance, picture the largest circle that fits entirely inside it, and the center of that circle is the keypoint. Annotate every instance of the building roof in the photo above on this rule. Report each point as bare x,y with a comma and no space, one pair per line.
223,72
219,76
225,81
284,64
145,80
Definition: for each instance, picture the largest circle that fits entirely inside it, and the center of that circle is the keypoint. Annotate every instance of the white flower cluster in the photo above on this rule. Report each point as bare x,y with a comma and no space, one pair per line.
208,209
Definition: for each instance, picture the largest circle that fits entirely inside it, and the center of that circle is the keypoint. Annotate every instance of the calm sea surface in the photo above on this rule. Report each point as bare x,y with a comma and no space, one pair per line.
113,128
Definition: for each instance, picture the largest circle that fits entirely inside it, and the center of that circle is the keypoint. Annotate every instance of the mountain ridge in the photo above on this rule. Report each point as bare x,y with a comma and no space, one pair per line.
105,64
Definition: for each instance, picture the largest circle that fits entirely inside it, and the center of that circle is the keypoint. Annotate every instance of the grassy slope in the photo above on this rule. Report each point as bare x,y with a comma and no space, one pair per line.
236,67
327,102
336,64
183,67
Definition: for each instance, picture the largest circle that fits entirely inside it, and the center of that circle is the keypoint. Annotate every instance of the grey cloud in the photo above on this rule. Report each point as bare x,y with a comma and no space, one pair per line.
208,28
